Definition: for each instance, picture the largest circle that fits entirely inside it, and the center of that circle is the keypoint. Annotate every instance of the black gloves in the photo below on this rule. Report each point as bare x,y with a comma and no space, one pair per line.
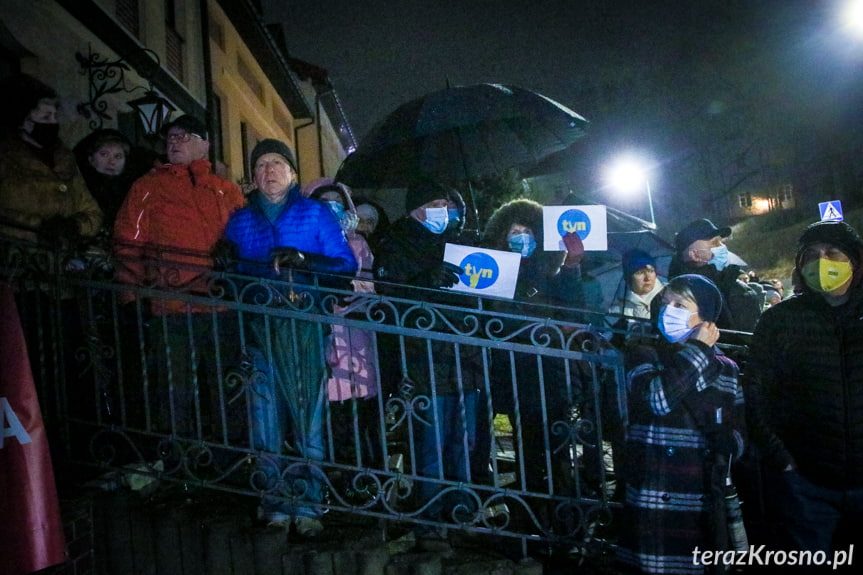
224,254
288,258
445,275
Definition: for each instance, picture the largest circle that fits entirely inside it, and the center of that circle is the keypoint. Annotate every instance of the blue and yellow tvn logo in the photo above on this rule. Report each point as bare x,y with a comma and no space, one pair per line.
574,221
480,270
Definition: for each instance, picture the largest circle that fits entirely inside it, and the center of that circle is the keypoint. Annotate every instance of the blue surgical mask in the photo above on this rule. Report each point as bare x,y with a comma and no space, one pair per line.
453,214
720,257
336,207
436,220
347,220
523,244
674,323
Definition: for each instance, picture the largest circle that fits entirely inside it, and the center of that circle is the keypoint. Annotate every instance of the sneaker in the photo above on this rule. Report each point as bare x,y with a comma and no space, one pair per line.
308,526
273,517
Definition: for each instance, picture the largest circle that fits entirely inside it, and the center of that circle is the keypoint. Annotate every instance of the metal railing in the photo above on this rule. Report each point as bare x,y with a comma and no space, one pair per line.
471,417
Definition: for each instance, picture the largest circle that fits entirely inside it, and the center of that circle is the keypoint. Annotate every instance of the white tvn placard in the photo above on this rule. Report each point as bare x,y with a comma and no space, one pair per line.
487,272
589,222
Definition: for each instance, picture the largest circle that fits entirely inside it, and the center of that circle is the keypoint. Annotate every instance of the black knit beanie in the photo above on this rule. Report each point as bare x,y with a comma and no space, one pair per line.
273,146
839,234
421,193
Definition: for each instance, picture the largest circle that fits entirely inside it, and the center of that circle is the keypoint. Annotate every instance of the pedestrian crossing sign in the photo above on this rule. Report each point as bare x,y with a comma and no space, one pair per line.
831,211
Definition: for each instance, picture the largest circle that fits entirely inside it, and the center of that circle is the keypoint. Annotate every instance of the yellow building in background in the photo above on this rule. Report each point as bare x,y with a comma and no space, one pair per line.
216,60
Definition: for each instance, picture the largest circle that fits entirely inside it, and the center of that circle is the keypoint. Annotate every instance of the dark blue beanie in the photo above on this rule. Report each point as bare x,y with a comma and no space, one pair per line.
635,260
705,292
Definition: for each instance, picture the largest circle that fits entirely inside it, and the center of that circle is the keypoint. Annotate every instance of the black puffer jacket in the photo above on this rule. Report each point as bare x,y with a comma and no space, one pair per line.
410,257
805,389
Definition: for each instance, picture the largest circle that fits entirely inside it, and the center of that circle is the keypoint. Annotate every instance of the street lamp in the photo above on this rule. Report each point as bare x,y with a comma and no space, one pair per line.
628,175
107,77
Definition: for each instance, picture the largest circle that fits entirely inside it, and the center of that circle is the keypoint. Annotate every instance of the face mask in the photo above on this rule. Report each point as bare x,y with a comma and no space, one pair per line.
674,323
348,221
336,207
436,220
523,244
46,135
825,275
720,257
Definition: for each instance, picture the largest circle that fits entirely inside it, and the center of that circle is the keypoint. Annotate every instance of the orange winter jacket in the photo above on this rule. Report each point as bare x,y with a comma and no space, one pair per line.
166,229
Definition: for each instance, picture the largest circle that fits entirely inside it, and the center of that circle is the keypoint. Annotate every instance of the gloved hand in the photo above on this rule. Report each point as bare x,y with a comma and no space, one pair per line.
721,439
289,258
446,275
574,249
60,229
224,254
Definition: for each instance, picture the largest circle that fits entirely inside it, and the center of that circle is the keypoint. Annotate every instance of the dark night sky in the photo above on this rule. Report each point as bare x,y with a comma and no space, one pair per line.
655,75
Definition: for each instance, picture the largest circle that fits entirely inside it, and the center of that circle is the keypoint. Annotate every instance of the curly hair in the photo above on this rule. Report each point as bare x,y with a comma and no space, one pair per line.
526,213
522,211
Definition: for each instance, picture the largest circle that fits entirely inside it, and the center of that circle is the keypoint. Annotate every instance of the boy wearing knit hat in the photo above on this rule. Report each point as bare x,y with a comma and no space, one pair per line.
805,388
686,413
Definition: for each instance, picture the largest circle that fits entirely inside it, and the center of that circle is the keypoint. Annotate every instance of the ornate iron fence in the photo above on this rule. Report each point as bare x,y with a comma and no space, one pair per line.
459,416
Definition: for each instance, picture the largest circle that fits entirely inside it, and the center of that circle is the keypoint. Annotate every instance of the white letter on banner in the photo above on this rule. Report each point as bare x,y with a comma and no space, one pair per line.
15,429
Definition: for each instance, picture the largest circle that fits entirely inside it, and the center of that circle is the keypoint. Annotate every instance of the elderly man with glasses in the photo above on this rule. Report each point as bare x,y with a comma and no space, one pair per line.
164,234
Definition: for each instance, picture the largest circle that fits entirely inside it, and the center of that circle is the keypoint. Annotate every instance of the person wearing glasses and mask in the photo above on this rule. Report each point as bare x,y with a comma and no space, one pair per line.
164,234
804,385
700,249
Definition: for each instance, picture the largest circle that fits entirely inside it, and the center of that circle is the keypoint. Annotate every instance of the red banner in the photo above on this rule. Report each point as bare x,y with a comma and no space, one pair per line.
31,531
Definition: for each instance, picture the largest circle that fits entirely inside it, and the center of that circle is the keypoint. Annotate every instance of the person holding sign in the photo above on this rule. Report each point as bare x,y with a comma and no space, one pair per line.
549,284
439,381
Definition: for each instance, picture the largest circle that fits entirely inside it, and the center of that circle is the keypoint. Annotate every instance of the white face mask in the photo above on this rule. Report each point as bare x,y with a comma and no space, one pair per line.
437,220
674,323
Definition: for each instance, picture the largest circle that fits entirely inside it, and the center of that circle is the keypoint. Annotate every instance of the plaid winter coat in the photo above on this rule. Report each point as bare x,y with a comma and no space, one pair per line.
674,392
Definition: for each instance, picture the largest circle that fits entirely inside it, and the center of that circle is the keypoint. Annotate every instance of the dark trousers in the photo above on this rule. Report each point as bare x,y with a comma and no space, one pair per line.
189,356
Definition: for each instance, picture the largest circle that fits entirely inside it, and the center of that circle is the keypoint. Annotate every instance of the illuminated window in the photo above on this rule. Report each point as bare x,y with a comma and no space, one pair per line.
745,200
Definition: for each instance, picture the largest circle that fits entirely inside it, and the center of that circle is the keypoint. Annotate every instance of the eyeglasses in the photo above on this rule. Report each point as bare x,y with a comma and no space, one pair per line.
181,138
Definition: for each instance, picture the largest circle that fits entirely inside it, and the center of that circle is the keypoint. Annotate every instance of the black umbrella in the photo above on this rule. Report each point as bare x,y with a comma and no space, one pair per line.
459,134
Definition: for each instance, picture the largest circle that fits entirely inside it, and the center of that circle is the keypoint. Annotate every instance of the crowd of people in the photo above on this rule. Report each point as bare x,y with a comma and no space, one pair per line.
690,414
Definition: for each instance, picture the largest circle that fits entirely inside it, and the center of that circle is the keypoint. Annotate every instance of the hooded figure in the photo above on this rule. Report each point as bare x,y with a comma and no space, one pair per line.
805,393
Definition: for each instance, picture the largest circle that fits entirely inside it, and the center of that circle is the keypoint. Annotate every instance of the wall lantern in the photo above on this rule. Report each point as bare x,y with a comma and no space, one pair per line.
109,77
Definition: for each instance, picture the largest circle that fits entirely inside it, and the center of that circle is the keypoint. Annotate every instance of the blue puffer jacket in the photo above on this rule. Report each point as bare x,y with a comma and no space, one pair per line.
304,224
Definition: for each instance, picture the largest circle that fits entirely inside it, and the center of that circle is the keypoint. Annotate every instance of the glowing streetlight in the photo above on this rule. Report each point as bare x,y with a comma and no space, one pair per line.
852,16
629,175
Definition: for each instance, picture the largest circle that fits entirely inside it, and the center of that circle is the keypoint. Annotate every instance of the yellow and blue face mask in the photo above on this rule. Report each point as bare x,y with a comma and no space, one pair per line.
825,275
